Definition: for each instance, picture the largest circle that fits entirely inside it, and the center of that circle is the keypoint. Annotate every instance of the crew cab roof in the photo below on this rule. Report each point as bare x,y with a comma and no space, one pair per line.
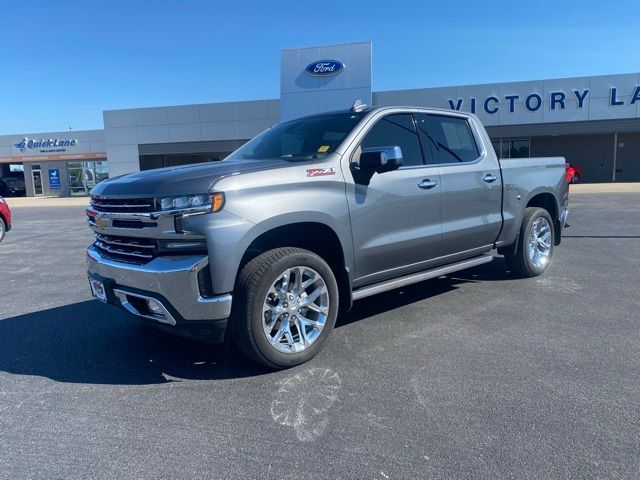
376,108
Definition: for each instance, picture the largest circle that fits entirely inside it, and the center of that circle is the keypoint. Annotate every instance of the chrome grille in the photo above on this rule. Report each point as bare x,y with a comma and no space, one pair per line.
127,249
123,205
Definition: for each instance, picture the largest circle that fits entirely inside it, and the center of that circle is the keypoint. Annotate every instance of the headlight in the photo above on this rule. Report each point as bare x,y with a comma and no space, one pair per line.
185,202
213,201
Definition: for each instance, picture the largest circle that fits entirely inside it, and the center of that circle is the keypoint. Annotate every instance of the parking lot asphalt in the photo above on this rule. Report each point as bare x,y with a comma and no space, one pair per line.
474,375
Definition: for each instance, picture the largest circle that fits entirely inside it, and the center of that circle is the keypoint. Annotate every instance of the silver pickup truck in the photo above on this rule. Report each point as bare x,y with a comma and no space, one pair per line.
313,214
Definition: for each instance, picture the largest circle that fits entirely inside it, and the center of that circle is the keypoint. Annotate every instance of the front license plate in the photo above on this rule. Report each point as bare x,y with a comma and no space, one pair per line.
98,290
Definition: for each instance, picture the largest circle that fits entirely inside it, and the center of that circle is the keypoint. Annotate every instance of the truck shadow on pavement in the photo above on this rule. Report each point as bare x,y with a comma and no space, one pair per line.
88,343
375,305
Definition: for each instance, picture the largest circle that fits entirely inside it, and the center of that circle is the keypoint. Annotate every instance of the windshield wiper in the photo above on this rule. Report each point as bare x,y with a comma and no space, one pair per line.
300,156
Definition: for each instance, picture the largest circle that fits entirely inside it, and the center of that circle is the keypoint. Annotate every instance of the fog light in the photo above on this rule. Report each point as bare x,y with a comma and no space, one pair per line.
155,308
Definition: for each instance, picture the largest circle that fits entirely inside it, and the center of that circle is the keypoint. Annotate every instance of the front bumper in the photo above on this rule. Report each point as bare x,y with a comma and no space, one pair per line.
170,281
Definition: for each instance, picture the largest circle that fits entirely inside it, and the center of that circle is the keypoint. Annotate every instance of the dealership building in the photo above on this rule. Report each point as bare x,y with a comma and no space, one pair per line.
592,121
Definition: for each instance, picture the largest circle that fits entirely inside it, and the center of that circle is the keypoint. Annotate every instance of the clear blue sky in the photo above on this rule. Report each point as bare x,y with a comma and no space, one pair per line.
63,62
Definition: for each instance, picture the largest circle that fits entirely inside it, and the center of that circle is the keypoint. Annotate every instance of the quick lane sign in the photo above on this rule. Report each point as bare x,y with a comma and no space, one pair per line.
534,101
49,145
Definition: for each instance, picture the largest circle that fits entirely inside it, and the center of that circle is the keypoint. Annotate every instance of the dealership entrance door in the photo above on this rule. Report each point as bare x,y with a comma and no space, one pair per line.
628,157
36,177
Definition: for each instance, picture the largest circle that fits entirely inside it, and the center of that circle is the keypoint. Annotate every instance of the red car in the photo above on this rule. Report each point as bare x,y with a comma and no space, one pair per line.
5,218
573,173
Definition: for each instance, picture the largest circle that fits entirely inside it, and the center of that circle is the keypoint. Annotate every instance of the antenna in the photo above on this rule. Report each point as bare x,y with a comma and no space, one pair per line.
358,106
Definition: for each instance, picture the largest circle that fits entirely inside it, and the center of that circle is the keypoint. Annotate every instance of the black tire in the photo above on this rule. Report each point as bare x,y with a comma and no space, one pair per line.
3,229
576,178
520,263
252,286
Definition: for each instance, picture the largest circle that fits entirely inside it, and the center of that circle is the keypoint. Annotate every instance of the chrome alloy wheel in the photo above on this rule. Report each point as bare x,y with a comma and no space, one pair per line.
539,246
295,309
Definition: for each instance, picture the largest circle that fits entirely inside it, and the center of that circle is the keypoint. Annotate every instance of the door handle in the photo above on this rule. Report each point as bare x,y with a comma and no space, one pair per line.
427,184
489,178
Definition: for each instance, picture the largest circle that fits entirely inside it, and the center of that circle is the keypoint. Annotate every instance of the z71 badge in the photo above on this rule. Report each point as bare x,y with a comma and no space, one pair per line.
320,172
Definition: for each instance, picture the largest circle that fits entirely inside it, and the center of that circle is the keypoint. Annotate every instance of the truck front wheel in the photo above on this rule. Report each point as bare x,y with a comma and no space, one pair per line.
285,307
535,244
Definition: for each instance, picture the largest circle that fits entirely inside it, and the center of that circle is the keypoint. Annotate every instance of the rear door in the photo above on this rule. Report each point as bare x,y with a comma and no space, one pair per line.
395,220
471,184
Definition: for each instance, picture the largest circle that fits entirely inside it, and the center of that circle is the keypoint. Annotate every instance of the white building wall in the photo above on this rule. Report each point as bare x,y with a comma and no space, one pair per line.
126,129
599,103
302,94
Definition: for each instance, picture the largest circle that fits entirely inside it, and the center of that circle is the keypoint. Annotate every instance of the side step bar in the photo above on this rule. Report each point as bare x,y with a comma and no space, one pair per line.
419,277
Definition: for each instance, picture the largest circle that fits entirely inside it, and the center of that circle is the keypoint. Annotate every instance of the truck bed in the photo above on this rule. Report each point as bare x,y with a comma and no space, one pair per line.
523,180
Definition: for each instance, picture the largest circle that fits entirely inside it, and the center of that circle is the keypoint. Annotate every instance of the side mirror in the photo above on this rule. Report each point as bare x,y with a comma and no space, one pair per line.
380,159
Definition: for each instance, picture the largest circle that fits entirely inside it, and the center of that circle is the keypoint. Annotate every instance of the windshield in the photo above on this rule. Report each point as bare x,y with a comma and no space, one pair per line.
304,139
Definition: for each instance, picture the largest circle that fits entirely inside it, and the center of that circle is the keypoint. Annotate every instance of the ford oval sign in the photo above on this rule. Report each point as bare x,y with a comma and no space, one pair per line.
325,68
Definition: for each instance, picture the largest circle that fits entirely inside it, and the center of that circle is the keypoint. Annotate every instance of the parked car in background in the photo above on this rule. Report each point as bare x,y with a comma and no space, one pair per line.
573,173
313,214
5,218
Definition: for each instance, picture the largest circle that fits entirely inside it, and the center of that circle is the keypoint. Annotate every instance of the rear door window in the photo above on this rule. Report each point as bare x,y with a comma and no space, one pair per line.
449,138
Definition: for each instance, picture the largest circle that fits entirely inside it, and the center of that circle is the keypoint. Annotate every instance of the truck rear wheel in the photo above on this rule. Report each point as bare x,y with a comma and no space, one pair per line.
535,244
285,307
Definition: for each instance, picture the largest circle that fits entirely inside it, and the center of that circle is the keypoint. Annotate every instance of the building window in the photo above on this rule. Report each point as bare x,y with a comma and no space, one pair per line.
520,149
83,176
149,162
507,148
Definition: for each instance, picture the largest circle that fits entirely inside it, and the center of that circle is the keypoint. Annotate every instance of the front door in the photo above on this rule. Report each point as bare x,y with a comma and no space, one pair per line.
471,185
395,220
36,176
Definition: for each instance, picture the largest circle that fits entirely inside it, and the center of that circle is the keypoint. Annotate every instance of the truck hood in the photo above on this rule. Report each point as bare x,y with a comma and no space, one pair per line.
184,180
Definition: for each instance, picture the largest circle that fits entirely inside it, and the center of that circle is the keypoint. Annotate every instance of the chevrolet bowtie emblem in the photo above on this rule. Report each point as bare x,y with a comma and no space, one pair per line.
100,222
